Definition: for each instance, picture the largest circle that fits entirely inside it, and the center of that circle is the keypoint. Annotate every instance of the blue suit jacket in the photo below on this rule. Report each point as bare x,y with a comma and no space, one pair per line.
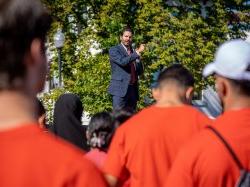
121,71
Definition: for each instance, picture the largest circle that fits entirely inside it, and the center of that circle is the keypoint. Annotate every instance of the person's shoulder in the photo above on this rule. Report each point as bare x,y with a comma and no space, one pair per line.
195,112
116,47
52,145
192,109
202,153
127,127
135,121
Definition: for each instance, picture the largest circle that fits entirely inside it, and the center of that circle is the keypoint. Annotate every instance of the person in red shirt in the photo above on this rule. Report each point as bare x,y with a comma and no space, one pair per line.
145,146
30,157
205,161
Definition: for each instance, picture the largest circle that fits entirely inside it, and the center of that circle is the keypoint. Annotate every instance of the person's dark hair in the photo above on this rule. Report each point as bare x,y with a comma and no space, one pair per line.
177,73
242,85
21,21
120,116
100,130
127,28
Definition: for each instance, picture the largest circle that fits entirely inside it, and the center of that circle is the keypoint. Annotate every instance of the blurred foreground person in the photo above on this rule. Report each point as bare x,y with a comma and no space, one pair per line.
144,147
206,161
67,120
30,157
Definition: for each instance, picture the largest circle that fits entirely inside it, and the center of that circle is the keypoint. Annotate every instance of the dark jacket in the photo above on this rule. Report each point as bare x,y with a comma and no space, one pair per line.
120,69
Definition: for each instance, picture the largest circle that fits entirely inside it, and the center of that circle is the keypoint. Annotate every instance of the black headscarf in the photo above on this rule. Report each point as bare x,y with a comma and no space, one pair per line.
67,120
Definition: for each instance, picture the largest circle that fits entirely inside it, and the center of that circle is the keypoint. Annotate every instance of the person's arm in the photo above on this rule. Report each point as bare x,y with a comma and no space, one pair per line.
139,64
140,49
115,162
116,57
111,180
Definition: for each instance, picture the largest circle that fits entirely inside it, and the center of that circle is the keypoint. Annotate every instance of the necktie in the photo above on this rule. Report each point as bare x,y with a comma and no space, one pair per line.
133,79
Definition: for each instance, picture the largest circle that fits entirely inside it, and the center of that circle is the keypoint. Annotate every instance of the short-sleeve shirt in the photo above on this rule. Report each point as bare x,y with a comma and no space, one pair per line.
205,162
146,145
31,157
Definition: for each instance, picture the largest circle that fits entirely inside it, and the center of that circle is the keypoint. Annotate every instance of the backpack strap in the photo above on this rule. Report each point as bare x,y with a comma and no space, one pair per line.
230,150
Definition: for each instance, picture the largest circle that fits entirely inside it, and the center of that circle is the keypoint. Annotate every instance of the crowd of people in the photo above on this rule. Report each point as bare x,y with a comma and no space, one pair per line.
167,144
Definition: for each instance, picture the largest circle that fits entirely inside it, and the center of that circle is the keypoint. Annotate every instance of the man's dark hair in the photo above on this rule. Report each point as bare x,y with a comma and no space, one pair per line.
21,21
243,86
177,73
127,28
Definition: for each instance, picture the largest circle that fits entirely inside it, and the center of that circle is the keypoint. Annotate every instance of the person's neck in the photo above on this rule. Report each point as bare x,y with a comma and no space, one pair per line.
16,109
171,100
126,46
237,103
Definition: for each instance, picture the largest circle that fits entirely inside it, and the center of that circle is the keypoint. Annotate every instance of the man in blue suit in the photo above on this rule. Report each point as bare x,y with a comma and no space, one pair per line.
125,69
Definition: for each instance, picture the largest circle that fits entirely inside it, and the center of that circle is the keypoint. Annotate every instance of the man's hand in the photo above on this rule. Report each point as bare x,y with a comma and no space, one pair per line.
141,48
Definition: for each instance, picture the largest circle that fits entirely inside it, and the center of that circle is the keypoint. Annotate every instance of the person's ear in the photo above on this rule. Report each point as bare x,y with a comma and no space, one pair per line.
34,53
155,93
221,87
36,50
189,94
35,61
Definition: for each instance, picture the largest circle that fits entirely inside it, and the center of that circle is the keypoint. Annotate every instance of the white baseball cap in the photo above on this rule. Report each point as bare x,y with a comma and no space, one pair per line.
232,60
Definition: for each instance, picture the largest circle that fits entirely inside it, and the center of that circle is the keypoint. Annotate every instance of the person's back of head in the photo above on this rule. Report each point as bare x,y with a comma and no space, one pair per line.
231,68
69,103
100,130
174,86
120,116
23,28
67,120
178,74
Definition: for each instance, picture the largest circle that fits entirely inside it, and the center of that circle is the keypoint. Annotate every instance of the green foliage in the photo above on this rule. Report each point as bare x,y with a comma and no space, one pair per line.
92,78
173,34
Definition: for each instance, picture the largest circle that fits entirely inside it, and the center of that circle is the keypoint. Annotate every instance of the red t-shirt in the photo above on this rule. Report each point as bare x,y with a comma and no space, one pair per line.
205,162
146,145
98,157
29,157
